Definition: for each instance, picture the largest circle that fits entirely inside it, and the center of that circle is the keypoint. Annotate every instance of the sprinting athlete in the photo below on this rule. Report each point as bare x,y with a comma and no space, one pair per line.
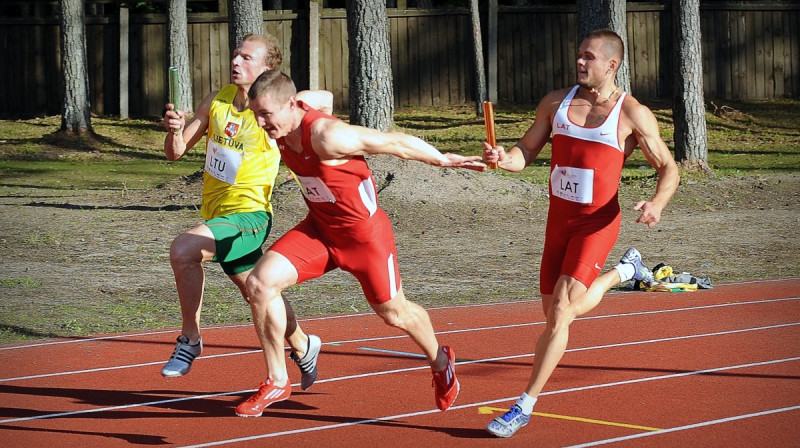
344,228
594,128
239,174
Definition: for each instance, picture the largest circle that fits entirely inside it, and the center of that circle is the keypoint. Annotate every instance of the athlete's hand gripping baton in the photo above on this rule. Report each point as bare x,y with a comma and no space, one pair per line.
174,90
488,118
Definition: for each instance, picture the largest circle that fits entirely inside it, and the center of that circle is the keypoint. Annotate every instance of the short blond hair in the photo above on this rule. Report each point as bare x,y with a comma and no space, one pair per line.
274,83
273,57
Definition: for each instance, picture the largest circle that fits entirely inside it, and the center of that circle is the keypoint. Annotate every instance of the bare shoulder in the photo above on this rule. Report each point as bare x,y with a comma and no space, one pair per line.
550,102
636,111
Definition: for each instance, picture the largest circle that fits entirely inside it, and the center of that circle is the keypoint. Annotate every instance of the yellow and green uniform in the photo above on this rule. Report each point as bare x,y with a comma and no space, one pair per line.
241,160
240,170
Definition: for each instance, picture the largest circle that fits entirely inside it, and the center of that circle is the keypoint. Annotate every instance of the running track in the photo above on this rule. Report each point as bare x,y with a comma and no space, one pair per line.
718,368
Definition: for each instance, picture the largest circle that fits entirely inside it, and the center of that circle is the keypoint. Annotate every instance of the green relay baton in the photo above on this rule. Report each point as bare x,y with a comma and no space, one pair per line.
174,89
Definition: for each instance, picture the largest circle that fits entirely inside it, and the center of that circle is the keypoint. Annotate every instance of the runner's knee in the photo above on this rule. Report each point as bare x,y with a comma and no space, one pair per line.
260,290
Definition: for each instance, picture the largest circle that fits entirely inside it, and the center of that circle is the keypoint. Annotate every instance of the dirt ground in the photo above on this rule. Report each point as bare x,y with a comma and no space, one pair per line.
88,262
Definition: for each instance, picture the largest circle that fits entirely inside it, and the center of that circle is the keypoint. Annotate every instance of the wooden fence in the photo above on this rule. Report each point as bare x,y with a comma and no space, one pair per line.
750,52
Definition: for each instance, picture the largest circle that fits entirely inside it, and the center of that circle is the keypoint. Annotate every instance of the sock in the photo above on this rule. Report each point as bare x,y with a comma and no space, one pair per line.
526,402
626,271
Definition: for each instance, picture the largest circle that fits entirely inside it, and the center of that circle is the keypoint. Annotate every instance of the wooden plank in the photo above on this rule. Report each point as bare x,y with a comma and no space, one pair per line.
736,57
653,29
425,65
343,62
451,55
750,71
503,72
639,52
217,58
543,67
400,64
326,74
759,34
413,58
466,91
791,70
769,55
518,59
779,64
725,56
568,50
572,38
707,30
436,63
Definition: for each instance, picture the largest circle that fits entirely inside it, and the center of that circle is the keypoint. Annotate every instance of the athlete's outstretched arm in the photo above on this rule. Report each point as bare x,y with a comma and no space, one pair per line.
333,139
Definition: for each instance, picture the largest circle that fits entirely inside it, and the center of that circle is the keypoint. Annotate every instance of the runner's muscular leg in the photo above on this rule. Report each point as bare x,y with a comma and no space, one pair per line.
272,274
414,321
295,336
187,254
570,299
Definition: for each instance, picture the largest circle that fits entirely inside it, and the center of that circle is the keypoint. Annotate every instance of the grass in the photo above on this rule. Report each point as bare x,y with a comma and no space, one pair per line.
743,138
127,154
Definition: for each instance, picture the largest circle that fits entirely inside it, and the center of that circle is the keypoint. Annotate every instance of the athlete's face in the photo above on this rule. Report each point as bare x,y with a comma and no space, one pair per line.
594,67
276,117
248,62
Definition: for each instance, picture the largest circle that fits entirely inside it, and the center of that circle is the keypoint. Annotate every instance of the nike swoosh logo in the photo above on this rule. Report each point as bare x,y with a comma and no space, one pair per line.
605,133
596,266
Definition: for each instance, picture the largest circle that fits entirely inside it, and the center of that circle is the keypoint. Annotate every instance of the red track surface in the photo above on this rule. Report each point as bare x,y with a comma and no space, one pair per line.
717,368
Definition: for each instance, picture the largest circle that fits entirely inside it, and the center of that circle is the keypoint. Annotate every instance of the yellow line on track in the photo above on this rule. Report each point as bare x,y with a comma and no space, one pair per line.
489,410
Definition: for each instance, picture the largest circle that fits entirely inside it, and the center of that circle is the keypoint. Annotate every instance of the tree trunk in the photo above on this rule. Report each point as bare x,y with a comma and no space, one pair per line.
480,73
75,111
371,89
688,107
245,17
597,14
179,52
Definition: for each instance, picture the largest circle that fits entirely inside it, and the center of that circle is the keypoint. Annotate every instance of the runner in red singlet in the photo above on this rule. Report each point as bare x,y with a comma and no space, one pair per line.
594,128
344,228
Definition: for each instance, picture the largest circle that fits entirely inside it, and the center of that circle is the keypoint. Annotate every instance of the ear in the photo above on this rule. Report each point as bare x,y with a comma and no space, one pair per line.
612,65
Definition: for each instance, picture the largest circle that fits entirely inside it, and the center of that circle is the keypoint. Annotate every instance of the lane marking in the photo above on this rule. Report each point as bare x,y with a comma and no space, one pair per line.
499,358
346,316
372,374
471,405
490,410
687,427
392,352
466,330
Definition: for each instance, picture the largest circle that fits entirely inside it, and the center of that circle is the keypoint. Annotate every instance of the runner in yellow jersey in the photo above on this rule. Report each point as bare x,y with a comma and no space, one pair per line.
239,175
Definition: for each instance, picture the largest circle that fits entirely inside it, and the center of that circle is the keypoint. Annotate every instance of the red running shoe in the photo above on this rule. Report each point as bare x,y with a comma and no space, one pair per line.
266,394
445,383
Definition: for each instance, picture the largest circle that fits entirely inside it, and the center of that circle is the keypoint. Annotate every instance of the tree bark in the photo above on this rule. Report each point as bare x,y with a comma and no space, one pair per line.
610,14
179,52
481,93
75,110
688,106
371,88
245,17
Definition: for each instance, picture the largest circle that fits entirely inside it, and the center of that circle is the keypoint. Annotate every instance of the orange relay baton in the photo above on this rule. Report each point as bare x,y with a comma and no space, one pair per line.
488,118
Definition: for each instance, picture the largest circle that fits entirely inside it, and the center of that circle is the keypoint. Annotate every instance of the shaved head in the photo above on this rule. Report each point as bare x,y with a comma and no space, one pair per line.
613,48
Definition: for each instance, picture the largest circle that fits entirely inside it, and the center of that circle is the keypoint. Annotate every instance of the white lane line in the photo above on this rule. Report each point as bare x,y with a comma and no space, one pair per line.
385,338
487,360
473,405
345,316
687,427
